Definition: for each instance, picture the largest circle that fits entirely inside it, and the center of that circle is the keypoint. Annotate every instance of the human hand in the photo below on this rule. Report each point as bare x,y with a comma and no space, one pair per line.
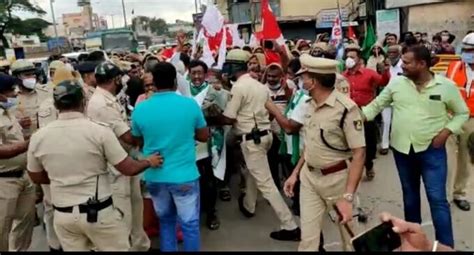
155,160
289,185
25,122
412,236
345,210
440,140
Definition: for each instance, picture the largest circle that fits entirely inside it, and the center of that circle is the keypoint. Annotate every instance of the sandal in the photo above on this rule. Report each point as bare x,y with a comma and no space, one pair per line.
370,174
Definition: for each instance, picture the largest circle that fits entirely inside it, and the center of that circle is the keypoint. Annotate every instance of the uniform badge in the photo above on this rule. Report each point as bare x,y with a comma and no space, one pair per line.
358,125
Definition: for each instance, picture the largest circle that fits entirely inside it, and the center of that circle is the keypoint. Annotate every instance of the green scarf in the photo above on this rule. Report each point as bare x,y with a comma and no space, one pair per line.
295,138
195,90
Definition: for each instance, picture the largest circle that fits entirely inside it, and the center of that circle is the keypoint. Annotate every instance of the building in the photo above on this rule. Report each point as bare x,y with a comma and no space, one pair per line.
77,24
180,25
432,16
297,18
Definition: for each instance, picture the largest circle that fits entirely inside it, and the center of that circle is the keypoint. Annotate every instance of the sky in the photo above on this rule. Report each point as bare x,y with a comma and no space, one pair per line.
170,10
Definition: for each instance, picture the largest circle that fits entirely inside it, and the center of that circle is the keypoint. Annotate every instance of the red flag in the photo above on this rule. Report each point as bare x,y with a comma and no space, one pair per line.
351,34
270,28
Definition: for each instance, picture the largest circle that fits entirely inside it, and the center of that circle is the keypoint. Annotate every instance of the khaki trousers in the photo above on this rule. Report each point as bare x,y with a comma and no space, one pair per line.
109,233
459,162
318,194
17,213
48,219
128,198
259,178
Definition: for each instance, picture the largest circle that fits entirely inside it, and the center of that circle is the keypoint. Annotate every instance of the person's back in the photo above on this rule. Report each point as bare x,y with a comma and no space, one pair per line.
254,96
167,123
73,139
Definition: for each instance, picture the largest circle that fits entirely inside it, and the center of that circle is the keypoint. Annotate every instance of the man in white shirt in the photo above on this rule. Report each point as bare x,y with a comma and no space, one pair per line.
394,56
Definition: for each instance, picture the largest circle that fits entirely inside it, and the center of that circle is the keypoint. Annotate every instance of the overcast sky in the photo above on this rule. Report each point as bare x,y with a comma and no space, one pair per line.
170,10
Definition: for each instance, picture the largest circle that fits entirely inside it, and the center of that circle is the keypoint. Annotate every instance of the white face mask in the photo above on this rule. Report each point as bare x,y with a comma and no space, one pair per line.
275,87
125,80
29,83
350,63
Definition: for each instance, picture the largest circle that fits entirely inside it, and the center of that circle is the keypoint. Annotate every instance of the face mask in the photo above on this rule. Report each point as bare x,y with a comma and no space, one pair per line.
11,102
29,83
125,80
468,57
274,87
445,38
350,63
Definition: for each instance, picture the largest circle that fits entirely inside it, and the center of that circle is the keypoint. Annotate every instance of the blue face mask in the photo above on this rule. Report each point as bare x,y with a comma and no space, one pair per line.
11,102
468,57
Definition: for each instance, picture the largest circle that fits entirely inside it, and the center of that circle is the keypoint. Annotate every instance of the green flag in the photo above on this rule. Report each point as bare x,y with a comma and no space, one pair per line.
369,40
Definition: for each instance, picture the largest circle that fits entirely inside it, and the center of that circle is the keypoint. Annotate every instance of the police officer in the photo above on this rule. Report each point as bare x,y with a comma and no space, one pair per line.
246,112
17,193
333,133
30,96
71,154
87,71
105,107
53,66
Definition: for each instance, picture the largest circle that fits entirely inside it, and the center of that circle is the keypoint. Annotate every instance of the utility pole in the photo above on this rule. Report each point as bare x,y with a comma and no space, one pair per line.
113,20
124,14
196,5
54,23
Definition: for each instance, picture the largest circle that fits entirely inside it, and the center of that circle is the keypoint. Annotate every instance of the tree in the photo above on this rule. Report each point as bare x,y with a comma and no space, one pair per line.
6,10
144,21
32,26
158,26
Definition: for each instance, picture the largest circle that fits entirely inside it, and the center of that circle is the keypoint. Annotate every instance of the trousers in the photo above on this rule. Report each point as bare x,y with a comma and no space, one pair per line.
259,178
17,213
387,122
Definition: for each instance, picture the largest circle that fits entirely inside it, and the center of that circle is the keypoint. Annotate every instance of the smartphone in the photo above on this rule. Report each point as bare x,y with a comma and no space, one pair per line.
378,239
268,45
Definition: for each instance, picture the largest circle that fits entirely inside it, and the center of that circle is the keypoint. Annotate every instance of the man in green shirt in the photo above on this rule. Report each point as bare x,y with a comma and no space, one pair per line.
422,103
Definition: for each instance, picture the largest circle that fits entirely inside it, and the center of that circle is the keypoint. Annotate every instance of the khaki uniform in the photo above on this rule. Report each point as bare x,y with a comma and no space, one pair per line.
28,105
342,85
248,97
17,195
48,113
318,192
104,107
77,169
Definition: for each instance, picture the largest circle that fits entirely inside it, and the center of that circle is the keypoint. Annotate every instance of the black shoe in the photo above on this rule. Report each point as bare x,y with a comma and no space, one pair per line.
287,235
244,211
55,250
462,204
213,222
224,195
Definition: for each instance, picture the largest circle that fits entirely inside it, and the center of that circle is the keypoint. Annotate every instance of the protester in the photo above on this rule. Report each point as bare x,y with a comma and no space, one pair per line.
377,56
171,131
363,85
418,140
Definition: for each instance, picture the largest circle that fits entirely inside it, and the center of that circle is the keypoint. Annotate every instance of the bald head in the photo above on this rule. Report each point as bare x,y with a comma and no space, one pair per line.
394,53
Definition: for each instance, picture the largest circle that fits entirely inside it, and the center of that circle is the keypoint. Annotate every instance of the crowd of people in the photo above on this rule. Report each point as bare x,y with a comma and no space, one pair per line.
103,133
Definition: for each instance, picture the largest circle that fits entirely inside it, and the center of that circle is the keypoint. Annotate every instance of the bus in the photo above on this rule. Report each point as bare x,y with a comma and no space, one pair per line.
111,39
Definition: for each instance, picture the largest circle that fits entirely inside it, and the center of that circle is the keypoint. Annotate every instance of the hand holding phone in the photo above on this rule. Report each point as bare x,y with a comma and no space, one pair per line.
381,238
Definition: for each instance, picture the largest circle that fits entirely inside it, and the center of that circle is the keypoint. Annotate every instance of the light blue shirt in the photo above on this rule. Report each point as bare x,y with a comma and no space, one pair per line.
167,122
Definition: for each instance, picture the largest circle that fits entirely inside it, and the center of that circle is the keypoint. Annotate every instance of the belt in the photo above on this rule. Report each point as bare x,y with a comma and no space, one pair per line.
332,169
249,136
12,174
83,208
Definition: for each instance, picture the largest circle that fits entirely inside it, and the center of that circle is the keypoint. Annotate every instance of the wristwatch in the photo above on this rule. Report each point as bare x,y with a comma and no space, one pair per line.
349,197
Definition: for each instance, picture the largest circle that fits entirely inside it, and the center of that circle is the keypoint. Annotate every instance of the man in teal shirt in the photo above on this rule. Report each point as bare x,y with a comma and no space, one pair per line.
421,124
168,124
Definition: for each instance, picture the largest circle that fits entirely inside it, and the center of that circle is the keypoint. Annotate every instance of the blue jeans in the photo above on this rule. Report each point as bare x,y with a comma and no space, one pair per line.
175,203
431,165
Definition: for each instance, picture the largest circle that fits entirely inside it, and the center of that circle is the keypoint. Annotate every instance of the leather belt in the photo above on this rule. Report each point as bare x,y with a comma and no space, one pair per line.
12,174
342,165
248,137
83,208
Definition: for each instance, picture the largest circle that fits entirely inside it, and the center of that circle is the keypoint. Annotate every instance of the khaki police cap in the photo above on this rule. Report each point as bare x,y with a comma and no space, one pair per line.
56,64
237,55
311,64
468,42
22,65
353,46
321,45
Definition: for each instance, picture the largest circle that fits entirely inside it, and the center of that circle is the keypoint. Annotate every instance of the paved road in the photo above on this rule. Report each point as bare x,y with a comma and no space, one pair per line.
383,194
